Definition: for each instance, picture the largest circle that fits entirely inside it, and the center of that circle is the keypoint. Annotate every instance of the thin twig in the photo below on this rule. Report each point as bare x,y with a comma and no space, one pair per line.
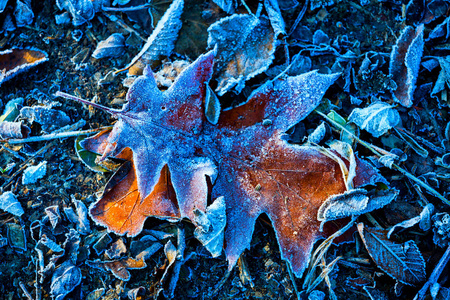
120,9
53,136
376,151
435,275
25,291
299,17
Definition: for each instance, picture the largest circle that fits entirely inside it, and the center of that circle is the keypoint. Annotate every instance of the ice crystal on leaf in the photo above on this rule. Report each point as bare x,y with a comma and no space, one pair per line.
174,150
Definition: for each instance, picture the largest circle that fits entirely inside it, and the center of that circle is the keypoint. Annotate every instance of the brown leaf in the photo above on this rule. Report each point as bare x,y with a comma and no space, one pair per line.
403,262
14,61
175,149
119,268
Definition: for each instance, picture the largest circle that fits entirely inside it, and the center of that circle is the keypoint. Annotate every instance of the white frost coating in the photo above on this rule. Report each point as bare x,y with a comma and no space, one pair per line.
376,119
352,202
245,48
297,96
406,61
113,46
318,134
162,40
33,173
9,203
211,226
276,19
189,183
423,218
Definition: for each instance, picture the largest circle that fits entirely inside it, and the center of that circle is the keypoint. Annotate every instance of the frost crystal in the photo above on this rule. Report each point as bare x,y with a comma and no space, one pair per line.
33,173
377,118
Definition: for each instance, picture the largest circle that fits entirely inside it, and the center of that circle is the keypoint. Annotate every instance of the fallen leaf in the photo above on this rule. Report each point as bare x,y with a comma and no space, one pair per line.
377,118
245,48
14,61
119,268
13,130
174,151
162,40
9,203
403,262
405,63
65,278
113,46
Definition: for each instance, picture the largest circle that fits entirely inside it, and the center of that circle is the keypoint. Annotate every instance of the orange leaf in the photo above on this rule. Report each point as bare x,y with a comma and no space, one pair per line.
175,150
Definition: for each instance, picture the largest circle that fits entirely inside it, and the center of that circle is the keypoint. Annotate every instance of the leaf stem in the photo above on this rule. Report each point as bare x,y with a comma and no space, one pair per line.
96,105
380,152
435,275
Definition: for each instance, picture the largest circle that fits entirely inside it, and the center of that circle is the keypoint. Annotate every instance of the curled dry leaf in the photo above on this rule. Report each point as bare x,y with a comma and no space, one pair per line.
65,278
113,46
119,268
15,61
405,63
162,40
13,130
403,262
9,203
245,48
174,149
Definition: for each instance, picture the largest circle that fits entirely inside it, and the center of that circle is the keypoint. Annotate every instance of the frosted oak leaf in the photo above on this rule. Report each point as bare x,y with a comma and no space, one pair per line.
175,152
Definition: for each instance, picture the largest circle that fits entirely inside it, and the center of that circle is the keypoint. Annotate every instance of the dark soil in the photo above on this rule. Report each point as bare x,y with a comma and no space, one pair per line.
375,27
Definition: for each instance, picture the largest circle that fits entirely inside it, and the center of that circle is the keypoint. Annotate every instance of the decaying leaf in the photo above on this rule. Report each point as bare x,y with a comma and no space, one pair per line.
276,19
377,118
403,262
11,110
49,118
162,40
33,173
113,46
245,48
9,203
405,63
250,165
119,268
14,61
353,203
211,226
79,217
423,219
65,278
441,229
82,11
227,5
13,130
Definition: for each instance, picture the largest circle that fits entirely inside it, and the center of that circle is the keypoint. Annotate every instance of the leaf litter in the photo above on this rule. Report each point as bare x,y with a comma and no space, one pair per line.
215,128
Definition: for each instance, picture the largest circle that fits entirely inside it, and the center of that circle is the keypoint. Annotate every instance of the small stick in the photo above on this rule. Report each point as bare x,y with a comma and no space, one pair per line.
376,151
25,291
52,136
435,275
299,17
112,111
131,8
124,26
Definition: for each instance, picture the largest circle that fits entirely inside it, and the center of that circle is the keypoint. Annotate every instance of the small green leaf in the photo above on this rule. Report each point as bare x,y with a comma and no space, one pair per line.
336,117
11,110
88,157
